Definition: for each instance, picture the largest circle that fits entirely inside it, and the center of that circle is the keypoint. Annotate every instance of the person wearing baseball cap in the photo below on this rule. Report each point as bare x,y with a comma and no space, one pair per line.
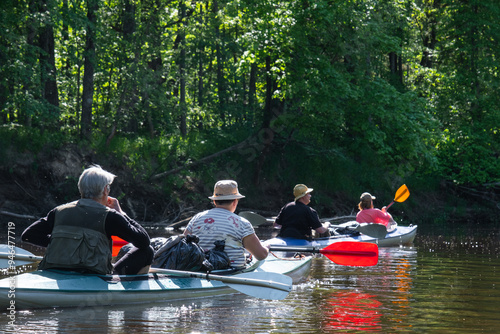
296,219
221,223
368,214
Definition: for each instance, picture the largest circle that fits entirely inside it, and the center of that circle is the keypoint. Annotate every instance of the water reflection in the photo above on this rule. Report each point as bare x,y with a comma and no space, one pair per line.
442,284
352,311
365,299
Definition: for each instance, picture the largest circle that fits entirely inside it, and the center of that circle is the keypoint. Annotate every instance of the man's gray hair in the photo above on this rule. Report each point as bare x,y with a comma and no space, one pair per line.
93,181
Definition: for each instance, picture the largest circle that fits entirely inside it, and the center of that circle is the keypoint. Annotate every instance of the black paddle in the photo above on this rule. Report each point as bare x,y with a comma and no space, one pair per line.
377,231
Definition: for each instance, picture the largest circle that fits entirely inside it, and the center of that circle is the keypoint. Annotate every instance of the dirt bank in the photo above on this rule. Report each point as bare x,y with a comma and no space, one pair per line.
30,186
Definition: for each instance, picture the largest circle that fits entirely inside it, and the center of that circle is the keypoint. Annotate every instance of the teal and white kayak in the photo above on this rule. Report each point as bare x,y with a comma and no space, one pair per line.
51,288
401,236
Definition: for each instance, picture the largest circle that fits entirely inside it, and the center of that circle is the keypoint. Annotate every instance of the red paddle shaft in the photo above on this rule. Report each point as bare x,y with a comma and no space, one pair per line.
346,252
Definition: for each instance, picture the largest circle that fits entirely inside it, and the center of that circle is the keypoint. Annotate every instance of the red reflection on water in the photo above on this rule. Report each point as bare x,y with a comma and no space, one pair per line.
362,311
352,311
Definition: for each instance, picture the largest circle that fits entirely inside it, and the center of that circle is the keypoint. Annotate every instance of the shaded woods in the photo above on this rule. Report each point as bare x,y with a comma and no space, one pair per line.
345,96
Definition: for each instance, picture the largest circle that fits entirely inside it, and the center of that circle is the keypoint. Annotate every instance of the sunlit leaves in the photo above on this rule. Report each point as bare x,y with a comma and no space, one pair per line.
324,63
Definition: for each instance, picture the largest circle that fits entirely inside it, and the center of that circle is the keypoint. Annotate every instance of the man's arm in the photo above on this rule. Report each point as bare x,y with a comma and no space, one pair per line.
39,232
126,228
254,246
323,228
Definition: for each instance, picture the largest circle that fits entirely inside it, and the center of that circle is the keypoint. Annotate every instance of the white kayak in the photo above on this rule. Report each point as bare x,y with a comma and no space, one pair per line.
400,236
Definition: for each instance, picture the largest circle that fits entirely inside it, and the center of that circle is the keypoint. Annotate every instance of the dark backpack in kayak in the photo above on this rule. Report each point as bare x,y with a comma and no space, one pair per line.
181,253
217,257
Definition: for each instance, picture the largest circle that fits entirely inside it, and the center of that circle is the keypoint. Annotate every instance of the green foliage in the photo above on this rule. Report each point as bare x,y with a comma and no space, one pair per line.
470,158
463,90
26,139
398,88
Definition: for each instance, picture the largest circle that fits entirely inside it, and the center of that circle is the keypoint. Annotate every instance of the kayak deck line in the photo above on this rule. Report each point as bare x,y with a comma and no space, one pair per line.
152,275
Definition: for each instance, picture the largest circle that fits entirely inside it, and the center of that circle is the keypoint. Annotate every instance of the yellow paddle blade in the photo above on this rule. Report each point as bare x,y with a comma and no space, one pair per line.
402,194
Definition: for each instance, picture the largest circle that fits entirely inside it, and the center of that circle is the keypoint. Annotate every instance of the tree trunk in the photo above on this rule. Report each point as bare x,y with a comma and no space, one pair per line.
393,62
30,59
252,89
88,74
269,95
266,135
48,64
430,35
221,89
182,65
201,52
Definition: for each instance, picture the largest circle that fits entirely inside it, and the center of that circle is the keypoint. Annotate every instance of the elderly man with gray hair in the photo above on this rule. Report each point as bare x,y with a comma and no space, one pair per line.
78,234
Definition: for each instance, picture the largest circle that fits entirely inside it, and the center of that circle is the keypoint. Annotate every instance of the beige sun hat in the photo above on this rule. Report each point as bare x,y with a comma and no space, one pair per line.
226,189
300,190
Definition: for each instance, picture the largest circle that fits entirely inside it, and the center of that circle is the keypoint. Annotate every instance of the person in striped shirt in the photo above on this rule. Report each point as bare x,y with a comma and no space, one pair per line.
221,223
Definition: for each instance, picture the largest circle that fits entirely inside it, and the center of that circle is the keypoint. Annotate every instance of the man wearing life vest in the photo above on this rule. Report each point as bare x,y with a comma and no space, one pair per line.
78,234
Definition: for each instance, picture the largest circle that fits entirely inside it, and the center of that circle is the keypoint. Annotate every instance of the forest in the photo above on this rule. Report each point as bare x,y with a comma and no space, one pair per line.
173,95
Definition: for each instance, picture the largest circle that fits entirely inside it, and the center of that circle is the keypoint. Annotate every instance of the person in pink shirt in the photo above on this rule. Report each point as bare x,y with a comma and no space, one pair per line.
368,214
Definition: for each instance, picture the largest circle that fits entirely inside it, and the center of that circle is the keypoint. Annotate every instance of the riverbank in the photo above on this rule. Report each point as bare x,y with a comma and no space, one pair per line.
31,185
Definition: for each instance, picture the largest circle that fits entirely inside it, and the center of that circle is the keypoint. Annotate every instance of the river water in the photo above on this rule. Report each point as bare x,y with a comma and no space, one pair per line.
441,284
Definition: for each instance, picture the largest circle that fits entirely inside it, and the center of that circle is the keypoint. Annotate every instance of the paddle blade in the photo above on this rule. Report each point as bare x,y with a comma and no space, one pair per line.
118,243
378,231
402,194
254,218
268,290
115,250
352,253
11,257
266,285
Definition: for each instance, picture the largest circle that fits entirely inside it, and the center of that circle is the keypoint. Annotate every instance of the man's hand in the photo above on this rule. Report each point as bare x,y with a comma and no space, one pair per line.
114,204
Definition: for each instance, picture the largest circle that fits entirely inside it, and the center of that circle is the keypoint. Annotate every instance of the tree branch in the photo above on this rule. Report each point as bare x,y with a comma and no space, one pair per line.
6,213
245,143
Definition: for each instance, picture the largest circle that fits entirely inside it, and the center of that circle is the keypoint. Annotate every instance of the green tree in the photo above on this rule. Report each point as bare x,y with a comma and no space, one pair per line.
462,87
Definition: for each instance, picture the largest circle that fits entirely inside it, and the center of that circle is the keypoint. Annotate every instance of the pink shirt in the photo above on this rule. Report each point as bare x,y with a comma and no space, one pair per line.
373,216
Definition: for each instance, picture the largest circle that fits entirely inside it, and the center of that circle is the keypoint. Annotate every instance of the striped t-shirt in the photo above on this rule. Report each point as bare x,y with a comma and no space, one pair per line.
221,224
